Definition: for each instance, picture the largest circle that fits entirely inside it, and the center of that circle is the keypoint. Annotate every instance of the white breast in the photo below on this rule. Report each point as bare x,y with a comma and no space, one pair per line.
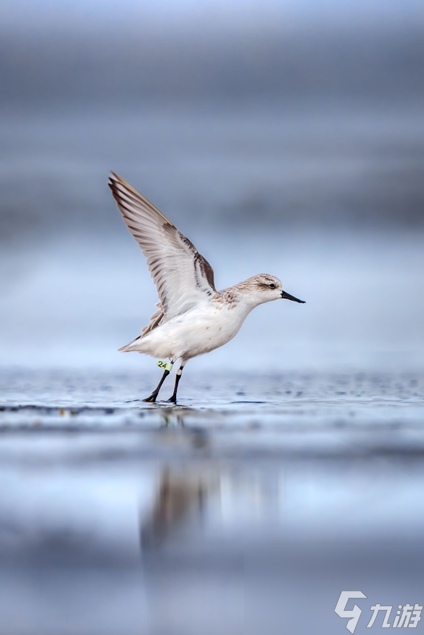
198,331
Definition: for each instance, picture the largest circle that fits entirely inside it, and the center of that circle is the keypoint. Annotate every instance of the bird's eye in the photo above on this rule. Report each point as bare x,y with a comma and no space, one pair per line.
272,285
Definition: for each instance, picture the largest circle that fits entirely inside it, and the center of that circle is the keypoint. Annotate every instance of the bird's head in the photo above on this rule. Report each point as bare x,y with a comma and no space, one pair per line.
265,288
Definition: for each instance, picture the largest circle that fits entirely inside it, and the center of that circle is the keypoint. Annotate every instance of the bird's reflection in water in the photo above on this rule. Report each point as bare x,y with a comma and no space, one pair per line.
174,432
196,534
203,494
171,416
196,500
182,489
180,497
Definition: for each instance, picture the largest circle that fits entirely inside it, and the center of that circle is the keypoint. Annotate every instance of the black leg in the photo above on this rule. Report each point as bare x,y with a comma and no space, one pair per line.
173,399
155,393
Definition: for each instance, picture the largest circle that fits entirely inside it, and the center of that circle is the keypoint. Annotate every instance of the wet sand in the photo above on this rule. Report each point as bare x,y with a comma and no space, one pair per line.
253,499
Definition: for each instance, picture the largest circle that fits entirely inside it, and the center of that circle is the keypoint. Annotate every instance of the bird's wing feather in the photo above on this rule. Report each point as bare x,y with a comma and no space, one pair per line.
181,275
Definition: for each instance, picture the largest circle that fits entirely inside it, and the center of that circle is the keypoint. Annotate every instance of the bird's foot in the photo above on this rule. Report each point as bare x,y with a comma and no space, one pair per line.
172,399
151,399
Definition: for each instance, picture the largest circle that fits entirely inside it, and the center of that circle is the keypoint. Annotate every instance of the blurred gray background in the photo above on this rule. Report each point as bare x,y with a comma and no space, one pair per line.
285,137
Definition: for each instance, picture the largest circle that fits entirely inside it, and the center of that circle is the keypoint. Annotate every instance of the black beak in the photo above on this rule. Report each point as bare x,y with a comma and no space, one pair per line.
287,296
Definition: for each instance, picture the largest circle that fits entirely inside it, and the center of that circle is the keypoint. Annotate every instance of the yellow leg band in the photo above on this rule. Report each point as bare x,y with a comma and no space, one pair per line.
165,365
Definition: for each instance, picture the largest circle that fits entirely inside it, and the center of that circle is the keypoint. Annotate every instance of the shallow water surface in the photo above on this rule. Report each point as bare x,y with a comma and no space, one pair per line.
252,499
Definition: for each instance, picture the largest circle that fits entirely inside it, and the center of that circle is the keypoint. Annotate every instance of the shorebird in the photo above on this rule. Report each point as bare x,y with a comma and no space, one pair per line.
193,318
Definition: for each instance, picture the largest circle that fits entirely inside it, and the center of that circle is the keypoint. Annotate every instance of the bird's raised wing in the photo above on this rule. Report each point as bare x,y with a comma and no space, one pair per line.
181,275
